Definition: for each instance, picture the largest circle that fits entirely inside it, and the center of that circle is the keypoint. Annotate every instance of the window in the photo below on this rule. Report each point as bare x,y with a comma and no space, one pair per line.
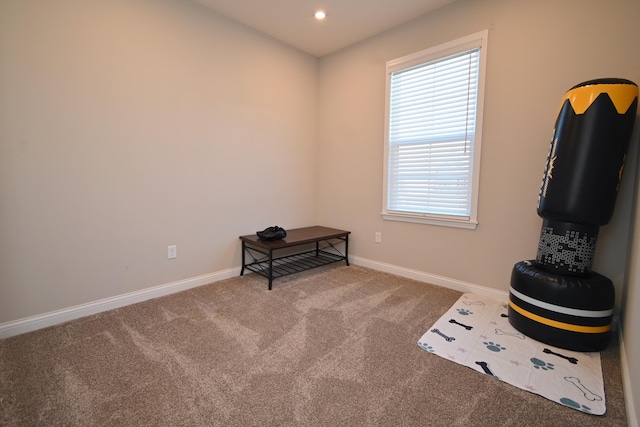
433,134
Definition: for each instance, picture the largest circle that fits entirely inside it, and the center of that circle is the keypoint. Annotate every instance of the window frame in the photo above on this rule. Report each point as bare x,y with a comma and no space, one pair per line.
479,39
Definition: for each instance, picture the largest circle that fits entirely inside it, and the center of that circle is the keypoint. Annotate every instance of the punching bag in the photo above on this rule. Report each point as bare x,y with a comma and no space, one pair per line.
583,172
558,299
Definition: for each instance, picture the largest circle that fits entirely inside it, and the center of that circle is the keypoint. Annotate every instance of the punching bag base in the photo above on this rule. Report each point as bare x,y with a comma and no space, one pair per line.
574,313
574,341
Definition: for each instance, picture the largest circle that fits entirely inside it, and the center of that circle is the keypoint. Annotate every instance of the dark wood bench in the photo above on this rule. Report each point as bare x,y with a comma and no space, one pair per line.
322,247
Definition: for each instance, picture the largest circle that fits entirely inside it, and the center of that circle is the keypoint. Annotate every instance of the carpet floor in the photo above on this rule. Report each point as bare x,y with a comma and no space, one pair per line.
335,346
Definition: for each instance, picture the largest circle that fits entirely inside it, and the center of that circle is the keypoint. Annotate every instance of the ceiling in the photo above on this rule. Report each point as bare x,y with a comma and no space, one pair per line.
347,21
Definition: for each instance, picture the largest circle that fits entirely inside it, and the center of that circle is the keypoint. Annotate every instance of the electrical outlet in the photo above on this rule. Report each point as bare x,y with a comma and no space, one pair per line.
378,237
172,252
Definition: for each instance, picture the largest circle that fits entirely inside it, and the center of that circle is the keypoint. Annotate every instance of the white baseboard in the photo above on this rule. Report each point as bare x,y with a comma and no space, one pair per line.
421,276
52,318
59,316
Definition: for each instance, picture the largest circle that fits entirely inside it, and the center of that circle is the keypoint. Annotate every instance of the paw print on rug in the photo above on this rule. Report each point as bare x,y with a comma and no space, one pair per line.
569,402
464,311
541,364
426,346
494,346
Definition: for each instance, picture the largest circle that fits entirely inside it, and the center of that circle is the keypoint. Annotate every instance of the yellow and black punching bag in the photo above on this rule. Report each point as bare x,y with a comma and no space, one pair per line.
557,299
583,171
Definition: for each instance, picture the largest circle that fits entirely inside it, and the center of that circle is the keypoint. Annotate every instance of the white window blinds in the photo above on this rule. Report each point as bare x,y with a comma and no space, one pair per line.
433,100
432,113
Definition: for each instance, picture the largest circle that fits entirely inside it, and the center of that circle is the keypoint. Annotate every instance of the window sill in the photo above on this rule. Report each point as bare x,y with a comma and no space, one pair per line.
467,223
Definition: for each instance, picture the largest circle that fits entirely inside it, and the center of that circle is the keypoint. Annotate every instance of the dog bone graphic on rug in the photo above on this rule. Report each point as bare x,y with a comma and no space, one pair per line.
588,394
467,327
570,359
473,303
511,334
485,368
437,331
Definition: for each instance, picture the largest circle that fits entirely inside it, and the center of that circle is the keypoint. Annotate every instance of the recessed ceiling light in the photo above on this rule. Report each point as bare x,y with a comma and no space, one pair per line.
320,15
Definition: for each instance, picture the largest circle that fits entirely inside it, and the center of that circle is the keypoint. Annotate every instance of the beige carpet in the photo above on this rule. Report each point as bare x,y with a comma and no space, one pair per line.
330,347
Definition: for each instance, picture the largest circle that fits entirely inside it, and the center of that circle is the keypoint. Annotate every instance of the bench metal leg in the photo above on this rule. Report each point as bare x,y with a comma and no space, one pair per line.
270,268
346,249
244,248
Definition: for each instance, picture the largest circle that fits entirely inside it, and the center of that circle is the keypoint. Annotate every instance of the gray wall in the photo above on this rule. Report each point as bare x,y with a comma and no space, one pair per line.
536,52
127,126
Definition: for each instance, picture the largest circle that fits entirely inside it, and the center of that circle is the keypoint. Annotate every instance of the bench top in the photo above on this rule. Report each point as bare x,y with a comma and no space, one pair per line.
297,236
